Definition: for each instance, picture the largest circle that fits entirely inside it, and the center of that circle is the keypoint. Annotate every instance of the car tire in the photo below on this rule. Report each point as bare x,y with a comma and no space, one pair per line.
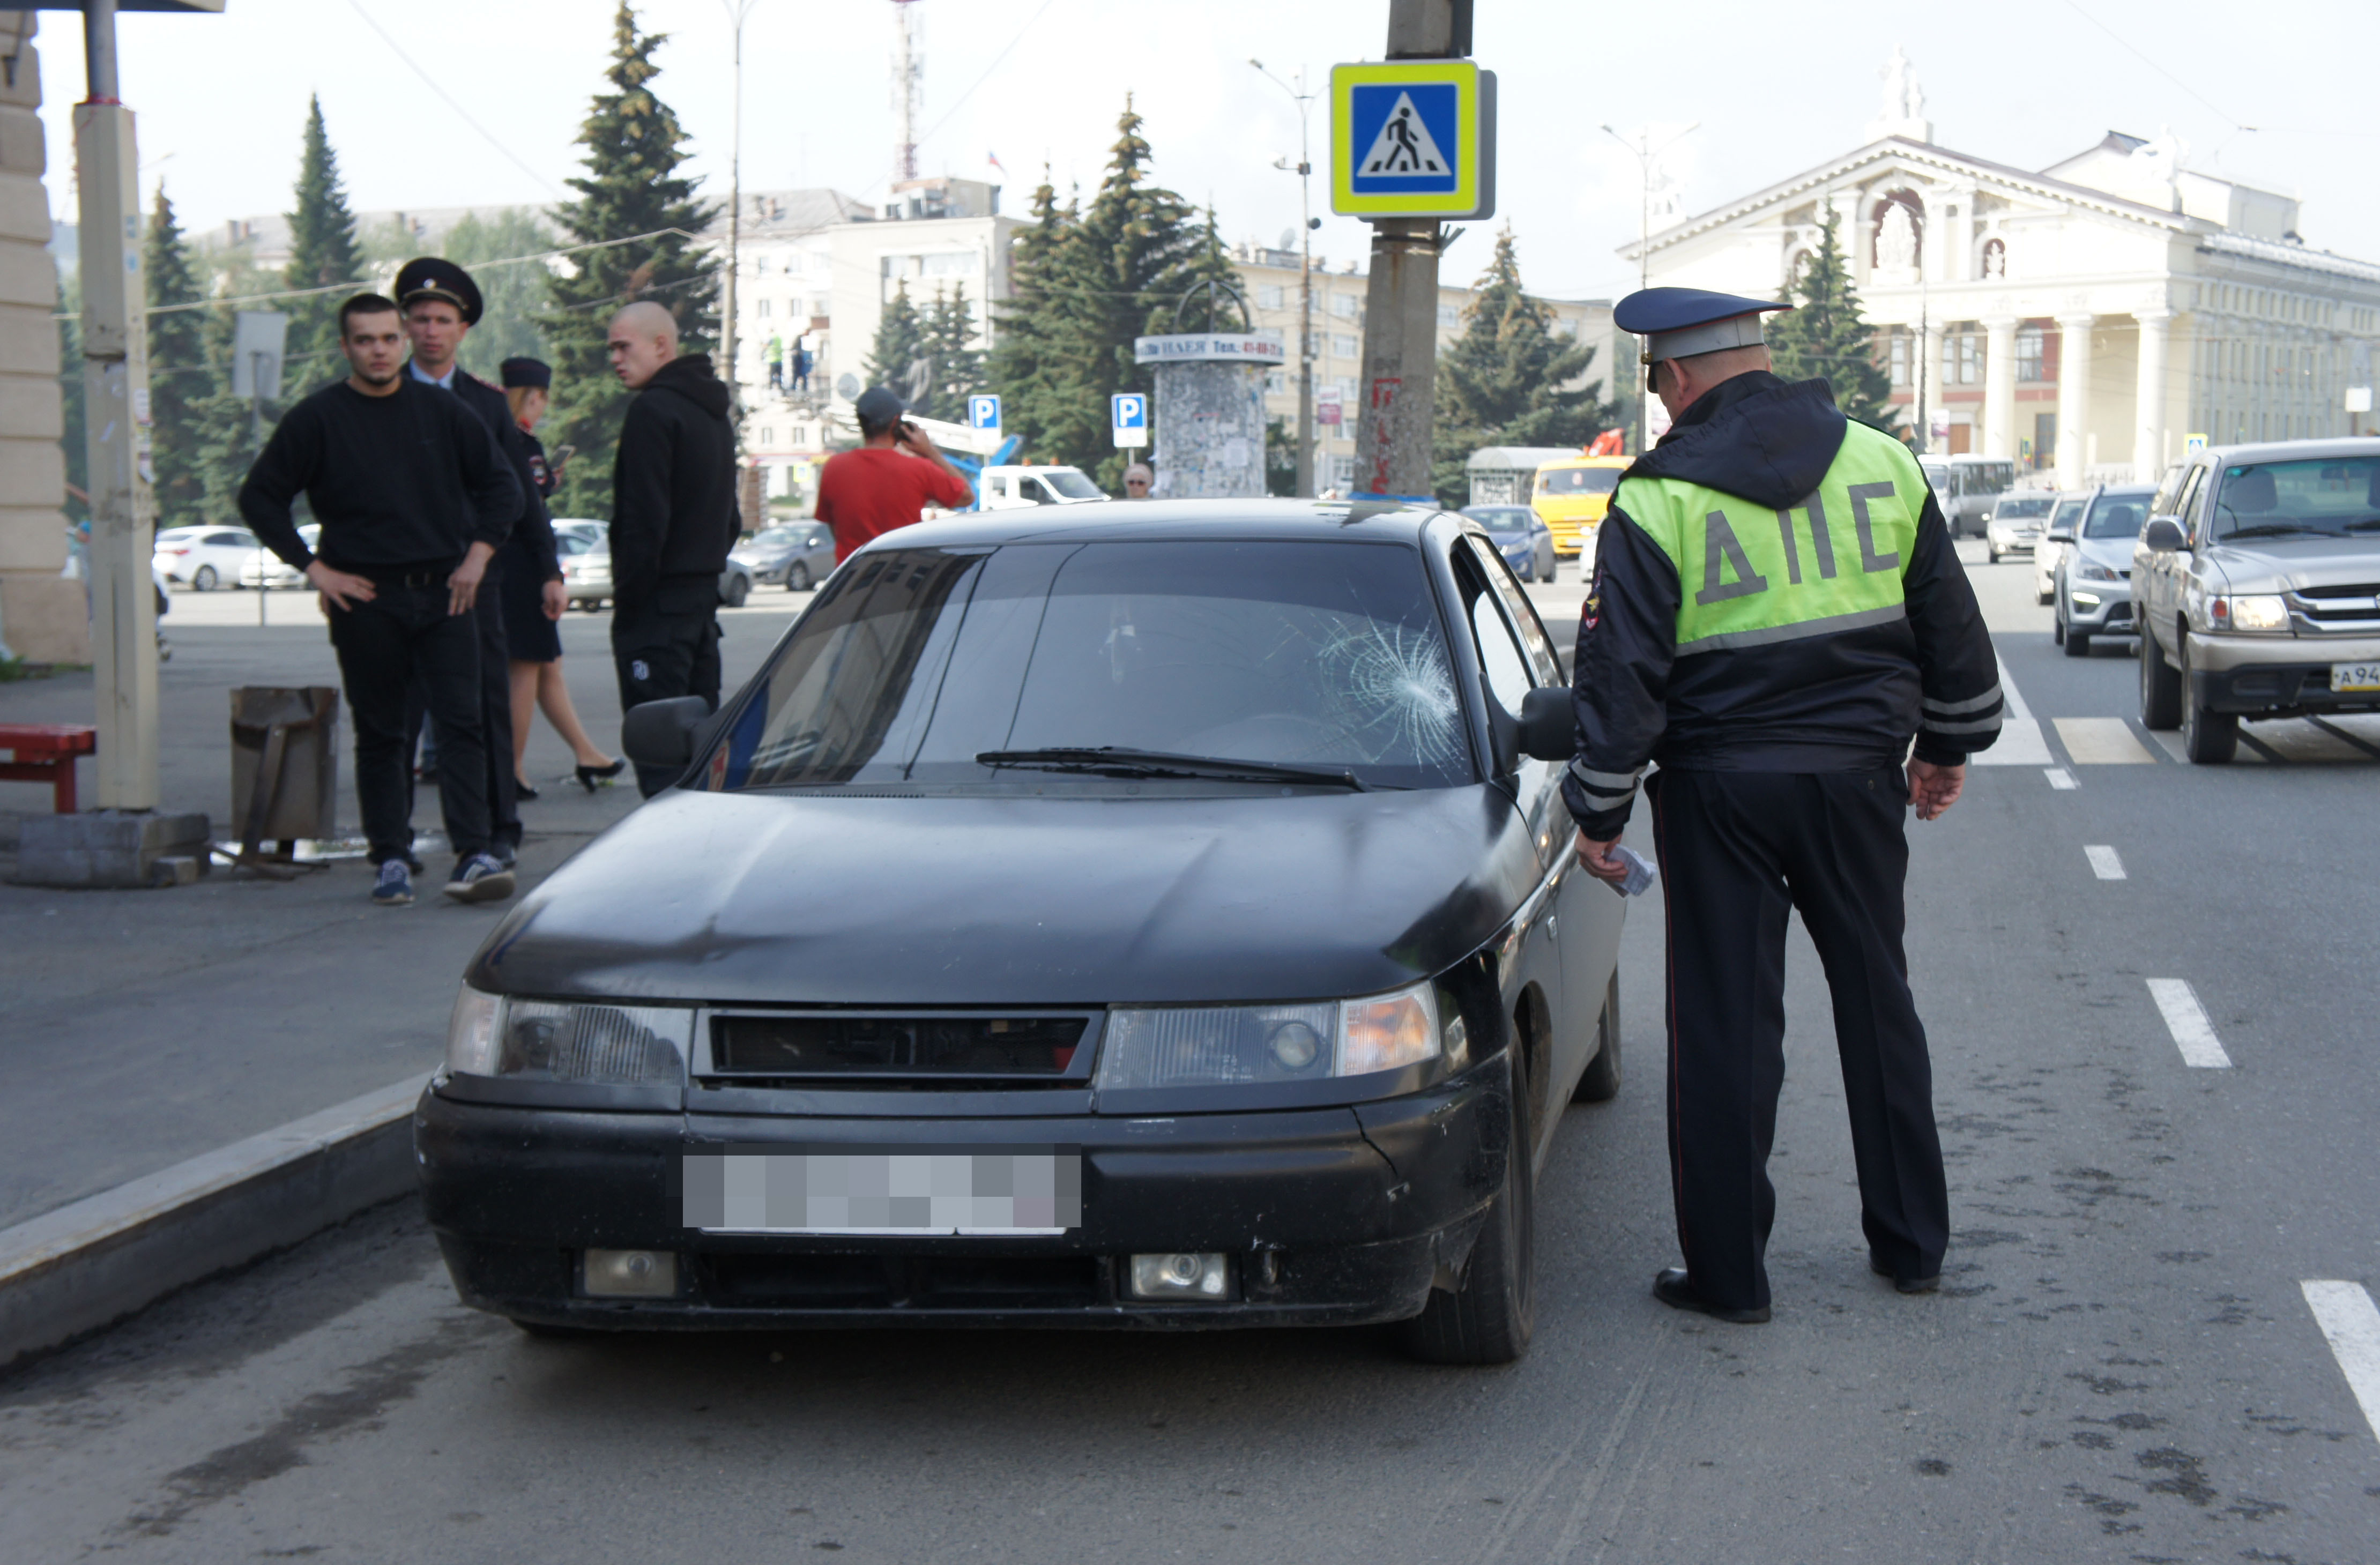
2044,599
1600,1081
203,579
1487,1318
2077,643
738,588
2208,737
2160,687
797,579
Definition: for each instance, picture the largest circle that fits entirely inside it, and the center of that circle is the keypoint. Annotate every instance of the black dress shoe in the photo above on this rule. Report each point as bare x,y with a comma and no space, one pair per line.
1673,1289
1905,1284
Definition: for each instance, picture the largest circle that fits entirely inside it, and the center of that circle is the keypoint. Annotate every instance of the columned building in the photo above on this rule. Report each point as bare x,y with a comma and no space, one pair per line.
2089,319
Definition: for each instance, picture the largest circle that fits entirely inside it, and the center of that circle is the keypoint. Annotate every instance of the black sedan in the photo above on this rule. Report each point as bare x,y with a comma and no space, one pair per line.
1140,915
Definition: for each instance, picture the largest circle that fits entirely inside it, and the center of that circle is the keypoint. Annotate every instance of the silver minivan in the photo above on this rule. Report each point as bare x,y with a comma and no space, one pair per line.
1965,488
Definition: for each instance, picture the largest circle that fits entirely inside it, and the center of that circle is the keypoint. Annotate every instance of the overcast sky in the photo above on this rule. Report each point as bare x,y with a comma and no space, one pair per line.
222,99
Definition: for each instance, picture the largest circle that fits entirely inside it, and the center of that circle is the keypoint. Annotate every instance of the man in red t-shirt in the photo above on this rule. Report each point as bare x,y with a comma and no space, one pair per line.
889,481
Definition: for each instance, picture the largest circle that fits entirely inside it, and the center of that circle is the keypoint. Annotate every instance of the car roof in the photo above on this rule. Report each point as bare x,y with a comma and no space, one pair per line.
2293,450
1145,520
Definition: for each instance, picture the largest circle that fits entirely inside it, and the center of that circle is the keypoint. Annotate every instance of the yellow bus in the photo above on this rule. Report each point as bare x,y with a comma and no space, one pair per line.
1571,497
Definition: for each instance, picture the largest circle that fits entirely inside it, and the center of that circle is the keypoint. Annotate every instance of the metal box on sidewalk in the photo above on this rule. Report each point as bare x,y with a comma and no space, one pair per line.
285,763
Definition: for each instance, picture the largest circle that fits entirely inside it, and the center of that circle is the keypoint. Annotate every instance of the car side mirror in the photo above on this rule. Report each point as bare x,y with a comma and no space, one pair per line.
1547,729
2058,535
660,734
2163,535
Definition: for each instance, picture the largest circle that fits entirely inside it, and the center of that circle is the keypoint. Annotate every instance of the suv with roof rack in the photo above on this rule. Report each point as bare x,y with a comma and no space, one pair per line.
2258,586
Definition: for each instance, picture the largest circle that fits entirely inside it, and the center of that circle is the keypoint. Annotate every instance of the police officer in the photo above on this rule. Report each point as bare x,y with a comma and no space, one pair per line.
1777,612
442,304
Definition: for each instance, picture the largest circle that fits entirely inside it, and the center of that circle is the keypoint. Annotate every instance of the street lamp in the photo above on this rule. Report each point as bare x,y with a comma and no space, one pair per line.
1305,277
1645,153
737,10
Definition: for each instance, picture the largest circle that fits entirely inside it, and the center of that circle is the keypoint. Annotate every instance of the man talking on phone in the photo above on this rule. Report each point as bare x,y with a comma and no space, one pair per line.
888,482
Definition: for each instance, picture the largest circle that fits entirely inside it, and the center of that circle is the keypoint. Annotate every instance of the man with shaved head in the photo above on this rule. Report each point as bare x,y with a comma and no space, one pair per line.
674,516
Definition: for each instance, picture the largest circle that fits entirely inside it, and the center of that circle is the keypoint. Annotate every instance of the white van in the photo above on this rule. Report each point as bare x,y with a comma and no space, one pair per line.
1005,488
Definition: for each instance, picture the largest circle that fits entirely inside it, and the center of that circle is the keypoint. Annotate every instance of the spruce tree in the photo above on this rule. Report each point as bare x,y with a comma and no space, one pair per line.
179,377
1503,381
512,294
227,438
634,148
899,349
1044,396
324,254
1823,338
950,331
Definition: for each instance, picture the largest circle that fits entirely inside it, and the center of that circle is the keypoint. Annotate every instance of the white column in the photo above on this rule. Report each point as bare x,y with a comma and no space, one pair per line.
1929,370
1999,387
2074,397
2148,399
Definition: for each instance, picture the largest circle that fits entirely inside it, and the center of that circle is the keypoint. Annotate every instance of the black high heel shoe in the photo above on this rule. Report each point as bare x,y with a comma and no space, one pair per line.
522,790
590,775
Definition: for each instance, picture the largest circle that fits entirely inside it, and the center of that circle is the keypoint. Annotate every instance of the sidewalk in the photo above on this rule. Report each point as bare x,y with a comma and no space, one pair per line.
146,1028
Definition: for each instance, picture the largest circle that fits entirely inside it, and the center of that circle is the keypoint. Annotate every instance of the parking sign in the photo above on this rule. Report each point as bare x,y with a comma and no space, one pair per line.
983,413
1130,416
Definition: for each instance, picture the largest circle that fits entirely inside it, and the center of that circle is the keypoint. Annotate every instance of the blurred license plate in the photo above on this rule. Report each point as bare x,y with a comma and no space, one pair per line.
2355,676
993,1191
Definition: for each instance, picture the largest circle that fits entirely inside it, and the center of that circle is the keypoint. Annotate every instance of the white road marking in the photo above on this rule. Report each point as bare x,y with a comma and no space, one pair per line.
2061,779
2171,745
2186,1020
2021,742
2105,863
2102,741
2351,1325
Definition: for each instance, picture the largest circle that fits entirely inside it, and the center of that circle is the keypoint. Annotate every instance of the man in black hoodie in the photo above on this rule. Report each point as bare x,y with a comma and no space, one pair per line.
673,517
1776,613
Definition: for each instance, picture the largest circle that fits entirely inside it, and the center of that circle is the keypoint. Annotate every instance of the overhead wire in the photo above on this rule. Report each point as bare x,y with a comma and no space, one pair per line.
387,37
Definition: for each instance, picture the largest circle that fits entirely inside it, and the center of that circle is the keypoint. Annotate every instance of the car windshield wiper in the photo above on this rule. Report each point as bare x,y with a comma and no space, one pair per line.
2270,530
1114,760
2366,525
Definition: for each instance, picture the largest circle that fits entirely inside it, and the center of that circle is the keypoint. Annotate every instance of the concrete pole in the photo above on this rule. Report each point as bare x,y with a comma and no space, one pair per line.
1392,427
116,388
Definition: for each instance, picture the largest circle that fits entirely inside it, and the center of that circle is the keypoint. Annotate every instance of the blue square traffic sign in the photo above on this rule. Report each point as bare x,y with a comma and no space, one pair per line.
983,412
1405,139
1413,139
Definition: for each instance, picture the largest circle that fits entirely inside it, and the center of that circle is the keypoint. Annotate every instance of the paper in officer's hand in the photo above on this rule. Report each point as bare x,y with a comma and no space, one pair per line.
1641,873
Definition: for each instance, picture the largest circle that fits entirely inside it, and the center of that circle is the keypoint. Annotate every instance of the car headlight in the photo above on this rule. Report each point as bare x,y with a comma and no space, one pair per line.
2100,573
1225,1045
545,1040
2254,613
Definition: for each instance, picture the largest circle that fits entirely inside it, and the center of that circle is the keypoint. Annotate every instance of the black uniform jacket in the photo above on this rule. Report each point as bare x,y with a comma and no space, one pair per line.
530,547
1842,702
673,482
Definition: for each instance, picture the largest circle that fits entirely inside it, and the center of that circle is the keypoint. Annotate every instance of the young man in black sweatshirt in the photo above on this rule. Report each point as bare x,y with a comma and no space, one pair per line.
413,499
673,517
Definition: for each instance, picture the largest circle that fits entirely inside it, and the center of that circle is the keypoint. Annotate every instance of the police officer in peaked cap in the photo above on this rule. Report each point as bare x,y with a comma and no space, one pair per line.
1776,613
442,304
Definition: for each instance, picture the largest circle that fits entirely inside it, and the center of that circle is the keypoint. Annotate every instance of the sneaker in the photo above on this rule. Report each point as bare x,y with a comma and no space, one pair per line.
505,853
395,888
480,878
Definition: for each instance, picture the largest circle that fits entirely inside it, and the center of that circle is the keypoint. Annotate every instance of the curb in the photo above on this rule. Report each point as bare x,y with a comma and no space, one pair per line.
97,1260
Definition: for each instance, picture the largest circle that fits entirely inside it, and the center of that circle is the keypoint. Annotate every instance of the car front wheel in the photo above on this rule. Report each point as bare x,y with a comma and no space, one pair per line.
2208,737
1487,1319
2160,687
798,578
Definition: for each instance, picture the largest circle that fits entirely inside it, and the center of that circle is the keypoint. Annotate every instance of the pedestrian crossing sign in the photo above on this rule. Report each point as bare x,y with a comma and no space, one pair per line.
1413,139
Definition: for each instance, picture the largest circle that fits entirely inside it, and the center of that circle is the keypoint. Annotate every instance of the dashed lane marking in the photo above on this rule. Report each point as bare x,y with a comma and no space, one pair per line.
2021,742
2102,741
2186,1020
2351,1325
2105,862
2061,779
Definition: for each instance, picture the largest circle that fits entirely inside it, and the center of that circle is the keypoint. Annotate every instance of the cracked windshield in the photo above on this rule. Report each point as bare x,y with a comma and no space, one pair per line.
1314,655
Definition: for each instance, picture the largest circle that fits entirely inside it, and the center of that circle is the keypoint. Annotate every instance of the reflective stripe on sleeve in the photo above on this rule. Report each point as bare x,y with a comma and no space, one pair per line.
1982,725
1952,709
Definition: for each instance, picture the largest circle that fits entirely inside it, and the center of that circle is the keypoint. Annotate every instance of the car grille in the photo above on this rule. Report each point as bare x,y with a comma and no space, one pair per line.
918,1282
2349,610
856,1047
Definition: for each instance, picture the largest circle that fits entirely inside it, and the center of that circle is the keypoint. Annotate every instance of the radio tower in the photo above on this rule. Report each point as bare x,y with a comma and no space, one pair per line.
908,85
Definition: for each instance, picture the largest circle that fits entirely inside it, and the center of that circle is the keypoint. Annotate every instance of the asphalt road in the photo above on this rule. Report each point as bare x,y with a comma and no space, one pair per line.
2120,1366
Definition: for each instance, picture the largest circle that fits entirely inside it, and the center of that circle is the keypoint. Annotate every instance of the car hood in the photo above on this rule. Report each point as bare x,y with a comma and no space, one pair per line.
2287,564
747,898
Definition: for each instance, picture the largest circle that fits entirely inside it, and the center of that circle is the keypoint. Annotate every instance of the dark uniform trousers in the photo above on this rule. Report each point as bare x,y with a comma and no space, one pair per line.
667,645
501,787
403,639
1738,850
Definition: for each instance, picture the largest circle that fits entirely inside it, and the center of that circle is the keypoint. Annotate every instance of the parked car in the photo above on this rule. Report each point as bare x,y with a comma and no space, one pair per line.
203,558
1527,543
2055,534
266,569
1178,929
2258,579
584,549
2094,593
1967,487
794,555
2015,522
1006,488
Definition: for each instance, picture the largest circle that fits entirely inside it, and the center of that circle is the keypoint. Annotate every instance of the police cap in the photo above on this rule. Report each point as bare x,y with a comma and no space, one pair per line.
1681,322
434,277
526,372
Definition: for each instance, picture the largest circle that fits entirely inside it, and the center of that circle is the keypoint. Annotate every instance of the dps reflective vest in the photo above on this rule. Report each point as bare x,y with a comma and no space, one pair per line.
1776,590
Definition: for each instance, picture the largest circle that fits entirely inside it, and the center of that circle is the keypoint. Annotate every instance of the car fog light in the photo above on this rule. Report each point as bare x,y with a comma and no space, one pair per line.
1295,1045
630,1274
1181,1276
2088,599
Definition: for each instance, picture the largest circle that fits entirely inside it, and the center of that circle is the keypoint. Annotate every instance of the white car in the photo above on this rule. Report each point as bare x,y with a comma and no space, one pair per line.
1005,488
204,558
2015,522
2065,519
270,571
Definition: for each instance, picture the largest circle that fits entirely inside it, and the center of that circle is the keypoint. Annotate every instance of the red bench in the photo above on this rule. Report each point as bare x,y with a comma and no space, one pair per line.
44,752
